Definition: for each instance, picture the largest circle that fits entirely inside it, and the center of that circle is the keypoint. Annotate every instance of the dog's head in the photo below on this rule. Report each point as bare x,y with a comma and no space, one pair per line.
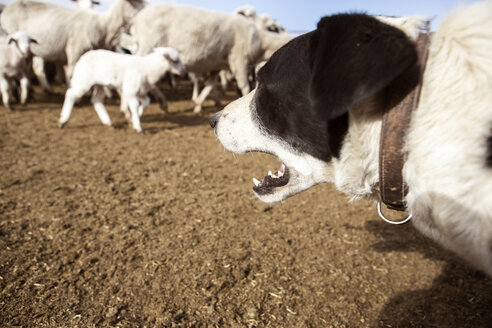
299,111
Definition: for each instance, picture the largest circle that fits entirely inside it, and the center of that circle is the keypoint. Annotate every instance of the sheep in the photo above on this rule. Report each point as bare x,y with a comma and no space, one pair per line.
132,75
263,21
272,35
67,33
14,58
38,63
207,41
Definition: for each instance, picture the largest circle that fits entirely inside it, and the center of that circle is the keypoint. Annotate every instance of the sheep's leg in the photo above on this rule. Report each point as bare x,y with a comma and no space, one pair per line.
196,85
4,88
97,101
159,96
224,81
209,86
124,109
39,71
73,51
108,93
172,81
133,105
24,84
144,102
71,96
60,74
69,71
217,97
240,71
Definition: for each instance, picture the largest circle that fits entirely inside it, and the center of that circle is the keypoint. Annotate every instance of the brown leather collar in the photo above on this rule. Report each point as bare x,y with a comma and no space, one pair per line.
394,128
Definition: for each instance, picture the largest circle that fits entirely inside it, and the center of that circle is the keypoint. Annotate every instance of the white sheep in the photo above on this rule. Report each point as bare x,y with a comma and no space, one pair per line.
207,41
272,36
263,21
270,42
67,33
131,75
14,60
38,63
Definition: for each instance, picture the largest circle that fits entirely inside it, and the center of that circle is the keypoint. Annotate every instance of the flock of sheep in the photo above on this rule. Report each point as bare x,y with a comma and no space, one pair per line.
129,48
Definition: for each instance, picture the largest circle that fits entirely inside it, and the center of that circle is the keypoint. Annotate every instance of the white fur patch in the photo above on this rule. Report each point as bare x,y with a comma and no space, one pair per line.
450,185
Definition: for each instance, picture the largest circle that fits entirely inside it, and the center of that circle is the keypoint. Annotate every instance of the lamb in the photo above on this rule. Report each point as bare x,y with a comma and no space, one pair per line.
132,75
67,33
14,60
207,41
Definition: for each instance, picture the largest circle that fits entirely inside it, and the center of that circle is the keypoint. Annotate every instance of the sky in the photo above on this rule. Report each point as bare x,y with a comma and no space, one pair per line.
301,16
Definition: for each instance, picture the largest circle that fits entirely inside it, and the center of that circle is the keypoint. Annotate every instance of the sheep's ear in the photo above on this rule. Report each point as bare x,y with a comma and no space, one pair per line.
353,56
33,40
168,56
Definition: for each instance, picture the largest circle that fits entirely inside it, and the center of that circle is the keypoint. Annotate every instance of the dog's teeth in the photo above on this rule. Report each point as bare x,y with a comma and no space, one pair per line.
270,173
256,182
279,174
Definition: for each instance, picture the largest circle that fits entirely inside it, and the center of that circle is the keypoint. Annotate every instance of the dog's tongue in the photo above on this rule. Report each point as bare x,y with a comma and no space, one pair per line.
272,180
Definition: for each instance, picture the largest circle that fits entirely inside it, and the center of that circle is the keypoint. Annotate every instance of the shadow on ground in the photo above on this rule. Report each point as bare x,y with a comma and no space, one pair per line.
459,297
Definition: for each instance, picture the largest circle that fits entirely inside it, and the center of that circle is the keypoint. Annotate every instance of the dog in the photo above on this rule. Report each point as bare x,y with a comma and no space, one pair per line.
320,100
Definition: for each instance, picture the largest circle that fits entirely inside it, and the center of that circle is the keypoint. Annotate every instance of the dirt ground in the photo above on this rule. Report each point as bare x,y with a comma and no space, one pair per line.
104,227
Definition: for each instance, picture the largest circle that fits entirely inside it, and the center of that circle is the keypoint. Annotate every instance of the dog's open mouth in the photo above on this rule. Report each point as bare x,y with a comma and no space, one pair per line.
268,184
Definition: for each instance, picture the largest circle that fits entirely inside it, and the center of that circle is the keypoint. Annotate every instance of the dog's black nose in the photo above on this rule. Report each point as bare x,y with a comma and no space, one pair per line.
214,119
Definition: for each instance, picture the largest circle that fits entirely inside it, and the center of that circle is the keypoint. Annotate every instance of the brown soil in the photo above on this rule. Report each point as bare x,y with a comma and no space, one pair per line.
103,227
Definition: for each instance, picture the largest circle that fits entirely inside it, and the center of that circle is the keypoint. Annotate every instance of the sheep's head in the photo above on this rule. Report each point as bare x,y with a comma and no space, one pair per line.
271,24
86,4
172,56
246,11
23,42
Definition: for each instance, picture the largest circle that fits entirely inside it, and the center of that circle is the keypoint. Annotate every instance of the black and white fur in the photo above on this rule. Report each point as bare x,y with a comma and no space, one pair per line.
319,104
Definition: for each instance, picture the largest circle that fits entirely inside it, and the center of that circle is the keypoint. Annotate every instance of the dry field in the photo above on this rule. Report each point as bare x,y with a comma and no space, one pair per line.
103,227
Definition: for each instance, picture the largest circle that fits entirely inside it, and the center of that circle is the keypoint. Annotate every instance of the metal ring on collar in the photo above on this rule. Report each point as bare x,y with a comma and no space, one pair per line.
381,215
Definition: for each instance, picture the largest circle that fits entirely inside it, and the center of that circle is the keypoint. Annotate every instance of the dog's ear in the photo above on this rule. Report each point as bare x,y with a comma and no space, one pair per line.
353,56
